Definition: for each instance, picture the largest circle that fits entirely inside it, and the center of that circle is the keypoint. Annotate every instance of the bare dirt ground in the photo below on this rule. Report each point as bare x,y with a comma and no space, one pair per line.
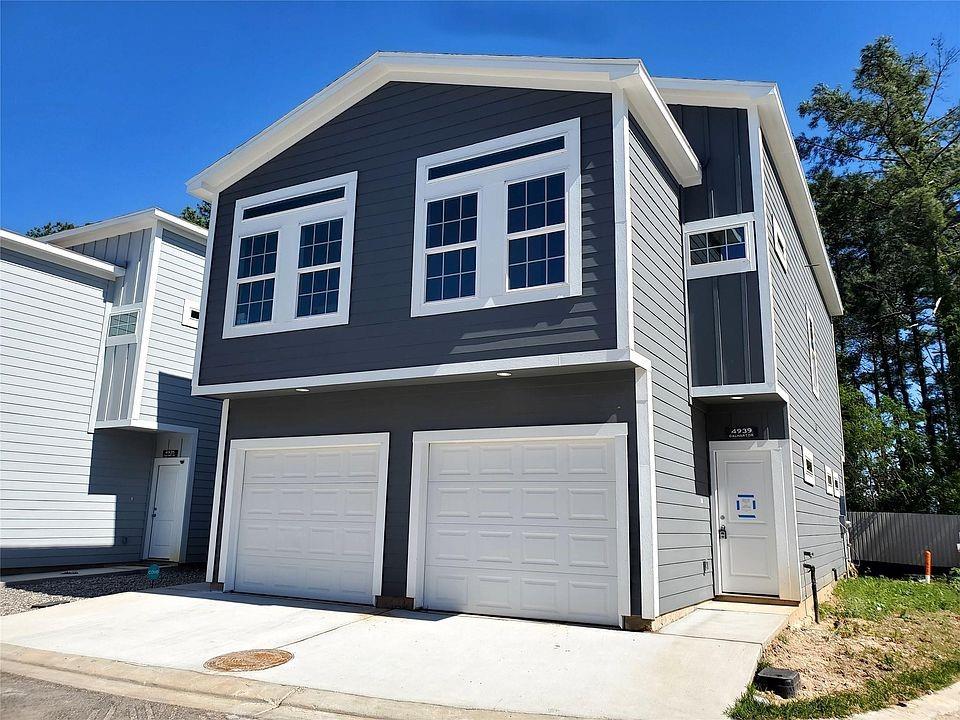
845,653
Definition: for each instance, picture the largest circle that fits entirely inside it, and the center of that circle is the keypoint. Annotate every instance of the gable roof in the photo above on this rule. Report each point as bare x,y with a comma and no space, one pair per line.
61,256
126,223
775,127
548,73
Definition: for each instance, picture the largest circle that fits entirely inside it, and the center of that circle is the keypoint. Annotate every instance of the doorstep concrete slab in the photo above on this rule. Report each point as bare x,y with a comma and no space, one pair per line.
458,661
742,626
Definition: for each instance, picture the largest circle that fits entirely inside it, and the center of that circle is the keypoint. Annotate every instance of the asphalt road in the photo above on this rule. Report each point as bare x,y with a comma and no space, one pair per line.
27,699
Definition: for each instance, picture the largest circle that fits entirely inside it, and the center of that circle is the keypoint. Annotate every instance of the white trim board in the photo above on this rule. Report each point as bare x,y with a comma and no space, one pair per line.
416,539
781,463
123,224
217,484
647,491
465,370
59,256
234,486
587,75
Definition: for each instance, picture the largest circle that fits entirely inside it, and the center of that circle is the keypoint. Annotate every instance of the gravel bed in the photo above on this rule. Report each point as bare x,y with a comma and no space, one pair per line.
26,596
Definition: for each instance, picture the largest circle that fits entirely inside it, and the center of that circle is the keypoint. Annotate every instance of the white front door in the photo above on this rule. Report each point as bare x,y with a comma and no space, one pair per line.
308,522
523,528
169,490
748,524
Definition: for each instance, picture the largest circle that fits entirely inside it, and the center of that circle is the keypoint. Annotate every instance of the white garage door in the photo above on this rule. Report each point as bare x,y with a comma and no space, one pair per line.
523,529
307,525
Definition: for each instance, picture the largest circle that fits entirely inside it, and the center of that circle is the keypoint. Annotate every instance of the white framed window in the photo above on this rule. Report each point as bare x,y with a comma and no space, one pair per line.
291,258
809,477
828,475
123,325
190,317
778,241
719,246
498,222
813,355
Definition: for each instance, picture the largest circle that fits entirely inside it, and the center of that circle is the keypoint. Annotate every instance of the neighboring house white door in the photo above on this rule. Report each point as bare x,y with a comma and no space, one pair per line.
748,525
308,522
167,502
523,529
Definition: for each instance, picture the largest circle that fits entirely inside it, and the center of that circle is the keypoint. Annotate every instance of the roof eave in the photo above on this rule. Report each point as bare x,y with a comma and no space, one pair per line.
121,224
60,256
380,68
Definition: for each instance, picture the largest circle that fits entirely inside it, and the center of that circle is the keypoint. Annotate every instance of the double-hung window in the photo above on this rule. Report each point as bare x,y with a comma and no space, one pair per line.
291,255
719,246
498,223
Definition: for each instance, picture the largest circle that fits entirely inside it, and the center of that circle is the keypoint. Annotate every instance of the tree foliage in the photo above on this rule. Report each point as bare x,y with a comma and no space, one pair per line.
885,162
49,228
199,214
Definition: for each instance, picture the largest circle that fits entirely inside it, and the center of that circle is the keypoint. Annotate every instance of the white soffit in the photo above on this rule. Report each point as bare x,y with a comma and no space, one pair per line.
60,256
122,224
765,96
574,74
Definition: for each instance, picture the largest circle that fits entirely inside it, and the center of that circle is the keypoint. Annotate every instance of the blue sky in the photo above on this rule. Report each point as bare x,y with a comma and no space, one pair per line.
106,108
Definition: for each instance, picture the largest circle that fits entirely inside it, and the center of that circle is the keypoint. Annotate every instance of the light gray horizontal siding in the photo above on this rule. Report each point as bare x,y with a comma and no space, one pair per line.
54,508
659,318
167,398
381,138
814,422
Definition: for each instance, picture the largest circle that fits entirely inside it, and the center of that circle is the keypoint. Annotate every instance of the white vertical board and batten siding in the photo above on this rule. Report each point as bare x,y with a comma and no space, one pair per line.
660,334
53,509
166,398
814,422
118,376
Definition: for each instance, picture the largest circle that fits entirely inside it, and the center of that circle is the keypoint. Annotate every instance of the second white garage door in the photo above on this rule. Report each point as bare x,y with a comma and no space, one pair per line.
523,529
308,522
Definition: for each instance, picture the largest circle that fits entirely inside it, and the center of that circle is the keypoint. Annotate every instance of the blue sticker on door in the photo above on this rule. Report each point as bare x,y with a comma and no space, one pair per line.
746,506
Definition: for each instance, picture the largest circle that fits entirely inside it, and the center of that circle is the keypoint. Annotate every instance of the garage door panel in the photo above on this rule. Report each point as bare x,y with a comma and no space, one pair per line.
479,502
533,461
307,524
522,548
551,596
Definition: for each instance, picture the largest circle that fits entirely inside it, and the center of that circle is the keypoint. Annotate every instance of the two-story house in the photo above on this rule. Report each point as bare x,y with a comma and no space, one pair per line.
532,337
105,455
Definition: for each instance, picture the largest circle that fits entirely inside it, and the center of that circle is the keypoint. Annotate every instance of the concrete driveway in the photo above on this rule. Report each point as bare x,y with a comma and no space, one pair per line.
454,661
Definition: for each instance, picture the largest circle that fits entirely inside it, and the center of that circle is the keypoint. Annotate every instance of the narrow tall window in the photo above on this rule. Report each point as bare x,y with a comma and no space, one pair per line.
257,267
451,247
536,227
813,356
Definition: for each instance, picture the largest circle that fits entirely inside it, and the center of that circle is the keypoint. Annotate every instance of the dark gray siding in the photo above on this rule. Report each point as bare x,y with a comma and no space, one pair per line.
547,400
720,138
814,422
381,137
726,344
769,418
683,503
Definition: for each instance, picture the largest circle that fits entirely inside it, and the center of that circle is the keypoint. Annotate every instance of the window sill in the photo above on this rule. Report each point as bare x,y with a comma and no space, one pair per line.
511,297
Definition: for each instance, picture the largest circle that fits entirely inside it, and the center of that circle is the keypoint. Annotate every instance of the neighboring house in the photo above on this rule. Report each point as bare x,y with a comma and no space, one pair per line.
530,337
105,456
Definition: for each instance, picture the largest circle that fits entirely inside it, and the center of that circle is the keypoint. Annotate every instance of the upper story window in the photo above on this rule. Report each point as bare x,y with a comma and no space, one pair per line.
291,256
813,355
122,327
719,246
498,223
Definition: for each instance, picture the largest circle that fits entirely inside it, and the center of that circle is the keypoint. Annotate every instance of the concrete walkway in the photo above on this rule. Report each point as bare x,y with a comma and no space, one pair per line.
354,659
943,705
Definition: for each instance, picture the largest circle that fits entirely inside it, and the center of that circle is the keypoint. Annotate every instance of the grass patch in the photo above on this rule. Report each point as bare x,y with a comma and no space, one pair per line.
876,695
880,642
872,598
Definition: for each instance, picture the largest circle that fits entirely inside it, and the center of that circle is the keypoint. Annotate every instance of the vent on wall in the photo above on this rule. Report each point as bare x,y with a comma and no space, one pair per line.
191,313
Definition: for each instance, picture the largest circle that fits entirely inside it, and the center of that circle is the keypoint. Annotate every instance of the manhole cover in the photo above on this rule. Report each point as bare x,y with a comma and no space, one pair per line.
248,660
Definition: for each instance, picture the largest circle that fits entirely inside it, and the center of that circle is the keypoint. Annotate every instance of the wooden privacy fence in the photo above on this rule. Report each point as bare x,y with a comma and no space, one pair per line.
901,538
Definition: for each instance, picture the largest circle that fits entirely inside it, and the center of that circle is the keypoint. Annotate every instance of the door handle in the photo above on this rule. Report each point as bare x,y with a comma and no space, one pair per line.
722,532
